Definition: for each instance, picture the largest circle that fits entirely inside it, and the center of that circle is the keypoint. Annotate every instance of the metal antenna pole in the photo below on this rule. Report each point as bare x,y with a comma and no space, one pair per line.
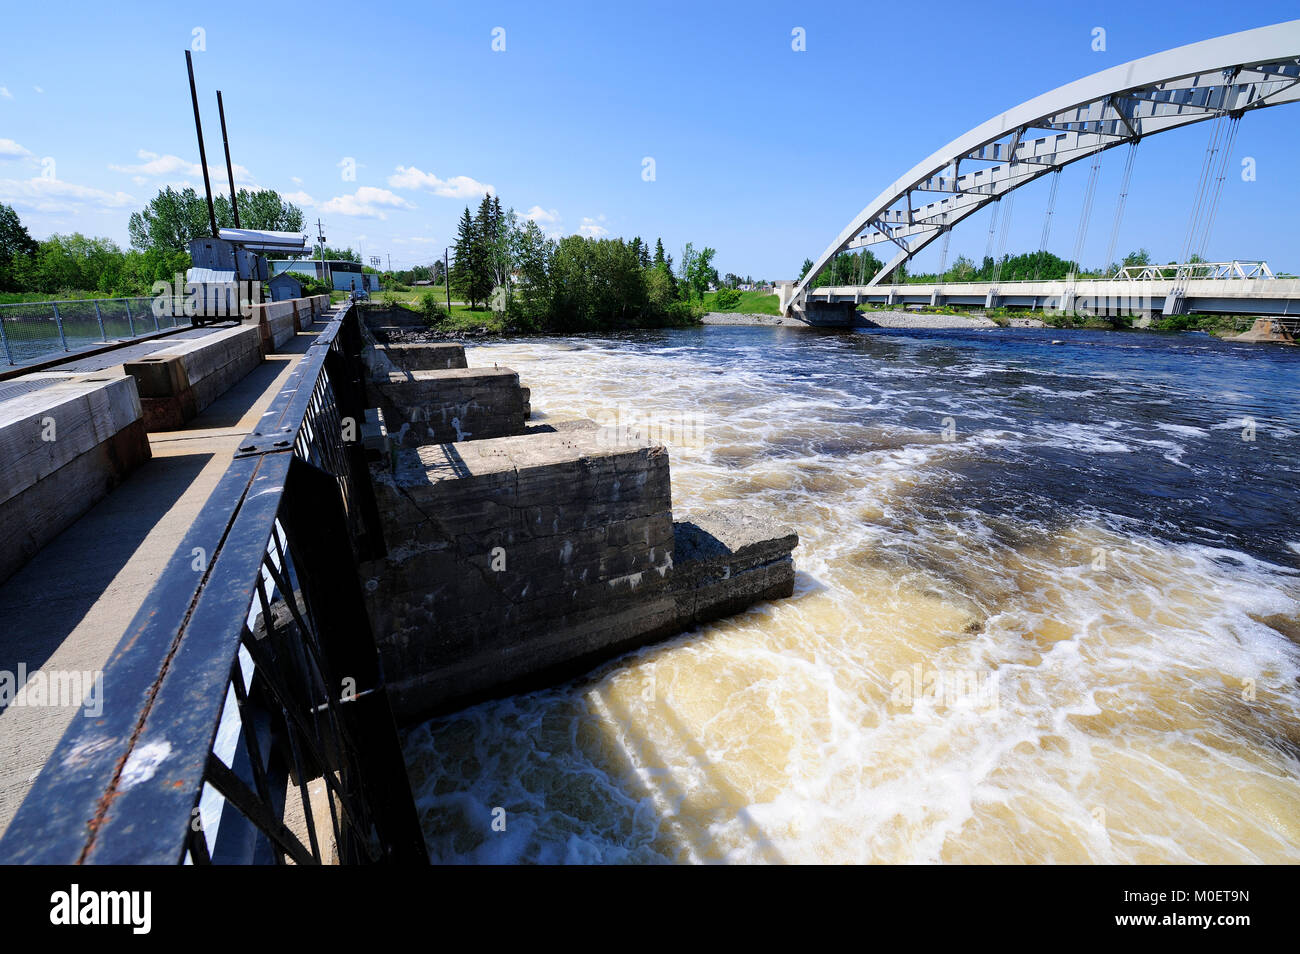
203,156
230,169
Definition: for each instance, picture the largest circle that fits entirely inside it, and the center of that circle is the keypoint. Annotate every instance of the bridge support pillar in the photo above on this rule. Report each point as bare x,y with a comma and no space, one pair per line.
991,299
834,314
936,298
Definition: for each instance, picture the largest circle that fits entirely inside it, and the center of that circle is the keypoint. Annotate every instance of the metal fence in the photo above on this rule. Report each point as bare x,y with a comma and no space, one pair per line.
31,330
245,718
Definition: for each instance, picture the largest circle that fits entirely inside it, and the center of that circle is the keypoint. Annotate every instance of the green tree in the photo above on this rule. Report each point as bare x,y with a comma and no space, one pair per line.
804,269
16,246
170,220
468,272
697,271
259,209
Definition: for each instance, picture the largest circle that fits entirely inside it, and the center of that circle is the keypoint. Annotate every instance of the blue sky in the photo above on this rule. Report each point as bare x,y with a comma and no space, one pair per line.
759,151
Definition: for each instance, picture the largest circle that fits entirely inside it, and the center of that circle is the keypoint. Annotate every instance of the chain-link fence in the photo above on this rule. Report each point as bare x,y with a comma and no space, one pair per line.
30,331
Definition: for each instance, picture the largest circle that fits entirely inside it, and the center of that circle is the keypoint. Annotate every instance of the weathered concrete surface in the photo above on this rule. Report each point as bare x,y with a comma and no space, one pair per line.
460,404
724,561
1266,330
518,561
178,382
276,321
512,557
383,359
63,448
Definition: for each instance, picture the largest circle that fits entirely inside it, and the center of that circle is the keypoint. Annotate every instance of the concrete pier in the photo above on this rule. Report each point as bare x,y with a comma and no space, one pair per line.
518,556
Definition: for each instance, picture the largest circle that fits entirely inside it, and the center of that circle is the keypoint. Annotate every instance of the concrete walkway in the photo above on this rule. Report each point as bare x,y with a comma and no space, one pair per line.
67,609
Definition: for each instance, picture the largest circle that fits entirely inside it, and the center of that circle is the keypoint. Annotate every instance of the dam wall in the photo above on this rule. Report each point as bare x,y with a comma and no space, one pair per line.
521,555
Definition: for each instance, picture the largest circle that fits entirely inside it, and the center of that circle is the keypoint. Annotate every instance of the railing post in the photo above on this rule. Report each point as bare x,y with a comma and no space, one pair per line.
156,326
4,339
59,321
99,316
130,322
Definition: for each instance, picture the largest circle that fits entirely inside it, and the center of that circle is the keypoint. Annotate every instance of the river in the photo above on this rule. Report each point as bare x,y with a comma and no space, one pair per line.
1047,610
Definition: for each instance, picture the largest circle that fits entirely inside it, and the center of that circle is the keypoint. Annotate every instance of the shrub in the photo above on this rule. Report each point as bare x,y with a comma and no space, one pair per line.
726,298
431,308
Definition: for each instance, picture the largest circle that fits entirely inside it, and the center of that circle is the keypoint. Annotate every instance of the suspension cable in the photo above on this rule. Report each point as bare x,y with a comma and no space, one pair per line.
1119,203
1202,189
993,228
1047,223
1212,213
1002,238
1085,214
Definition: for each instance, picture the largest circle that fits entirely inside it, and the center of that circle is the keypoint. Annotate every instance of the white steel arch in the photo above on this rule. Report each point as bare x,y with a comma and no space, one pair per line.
1226,75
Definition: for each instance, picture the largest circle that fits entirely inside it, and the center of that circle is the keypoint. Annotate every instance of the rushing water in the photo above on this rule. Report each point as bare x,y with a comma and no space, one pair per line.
1047,609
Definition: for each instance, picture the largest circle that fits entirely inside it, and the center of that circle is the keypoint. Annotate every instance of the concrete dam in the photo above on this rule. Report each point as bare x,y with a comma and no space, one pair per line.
376,533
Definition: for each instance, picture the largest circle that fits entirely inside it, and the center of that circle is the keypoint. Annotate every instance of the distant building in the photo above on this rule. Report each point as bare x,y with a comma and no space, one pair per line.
285,286
347,275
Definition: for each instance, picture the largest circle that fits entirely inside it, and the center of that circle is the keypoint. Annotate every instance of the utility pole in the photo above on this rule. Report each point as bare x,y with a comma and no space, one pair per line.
325,269
390,261
446,276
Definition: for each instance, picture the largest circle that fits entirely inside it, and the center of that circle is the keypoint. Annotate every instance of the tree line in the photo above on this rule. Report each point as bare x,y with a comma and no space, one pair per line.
160,236
575,282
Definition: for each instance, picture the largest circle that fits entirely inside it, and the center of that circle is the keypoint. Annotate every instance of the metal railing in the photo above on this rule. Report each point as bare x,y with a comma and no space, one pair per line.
31,330
250,671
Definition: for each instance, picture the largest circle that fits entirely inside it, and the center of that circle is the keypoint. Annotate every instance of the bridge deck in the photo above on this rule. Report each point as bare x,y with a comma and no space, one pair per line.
68,607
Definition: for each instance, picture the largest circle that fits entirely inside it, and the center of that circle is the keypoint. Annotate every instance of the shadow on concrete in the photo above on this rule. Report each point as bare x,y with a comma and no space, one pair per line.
693,542
45,601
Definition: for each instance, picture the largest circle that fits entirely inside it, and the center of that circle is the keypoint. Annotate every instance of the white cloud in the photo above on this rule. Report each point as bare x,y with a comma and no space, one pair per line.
299,198
5,94
592,228
38,89
44,194
416,240
154,166
457,187
542,216
366,202
11,150
296,180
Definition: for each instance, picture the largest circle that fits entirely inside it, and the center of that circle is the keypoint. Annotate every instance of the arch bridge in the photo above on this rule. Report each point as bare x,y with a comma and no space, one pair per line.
1218,80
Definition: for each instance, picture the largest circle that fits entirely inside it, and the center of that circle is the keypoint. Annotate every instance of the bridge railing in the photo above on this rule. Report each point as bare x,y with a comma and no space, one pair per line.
31,330
244,717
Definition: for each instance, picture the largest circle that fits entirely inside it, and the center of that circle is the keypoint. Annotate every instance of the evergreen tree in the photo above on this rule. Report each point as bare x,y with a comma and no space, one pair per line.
467,252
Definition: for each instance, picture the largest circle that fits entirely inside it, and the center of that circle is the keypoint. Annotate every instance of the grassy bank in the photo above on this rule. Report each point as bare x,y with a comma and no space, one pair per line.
751,303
